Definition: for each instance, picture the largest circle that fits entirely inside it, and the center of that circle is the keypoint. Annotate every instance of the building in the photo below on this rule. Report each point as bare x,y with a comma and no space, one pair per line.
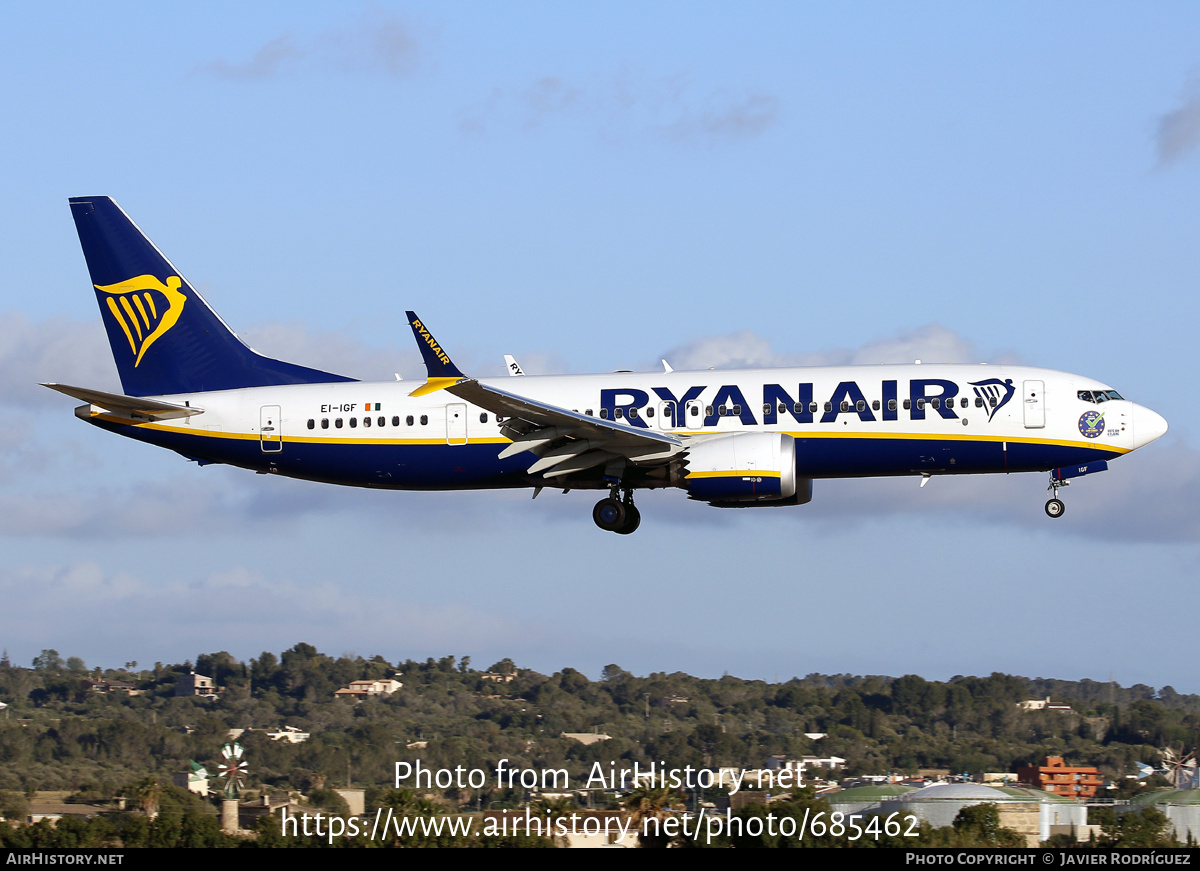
196,685
288,735
1182,809
111,686
499,676
1043,705
1030,813
1061,779
195,779
587,738
366,689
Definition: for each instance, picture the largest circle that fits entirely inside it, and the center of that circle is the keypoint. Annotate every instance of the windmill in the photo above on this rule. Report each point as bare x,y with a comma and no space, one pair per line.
232,768
1180,769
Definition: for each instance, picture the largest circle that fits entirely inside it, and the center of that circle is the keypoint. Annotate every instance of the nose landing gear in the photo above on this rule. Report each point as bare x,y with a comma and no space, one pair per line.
1055,506
616,515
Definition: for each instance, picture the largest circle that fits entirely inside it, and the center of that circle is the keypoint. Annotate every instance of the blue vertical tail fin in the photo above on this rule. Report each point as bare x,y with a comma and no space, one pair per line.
164,337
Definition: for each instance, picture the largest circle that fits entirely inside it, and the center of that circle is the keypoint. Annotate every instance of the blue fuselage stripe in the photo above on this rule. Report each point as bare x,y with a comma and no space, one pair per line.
418,466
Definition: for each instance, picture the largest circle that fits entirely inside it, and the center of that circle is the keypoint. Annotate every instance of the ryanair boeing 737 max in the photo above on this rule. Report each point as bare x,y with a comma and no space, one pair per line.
756,437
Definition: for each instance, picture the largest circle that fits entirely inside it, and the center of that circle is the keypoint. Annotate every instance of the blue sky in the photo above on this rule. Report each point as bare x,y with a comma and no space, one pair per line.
592,188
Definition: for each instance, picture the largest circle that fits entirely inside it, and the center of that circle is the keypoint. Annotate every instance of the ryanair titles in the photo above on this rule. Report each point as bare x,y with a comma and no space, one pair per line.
924,396
429,340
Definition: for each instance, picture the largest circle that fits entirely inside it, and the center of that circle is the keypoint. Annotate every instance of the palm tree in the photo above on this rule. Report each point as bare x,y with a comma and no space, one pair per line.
652,803
148,793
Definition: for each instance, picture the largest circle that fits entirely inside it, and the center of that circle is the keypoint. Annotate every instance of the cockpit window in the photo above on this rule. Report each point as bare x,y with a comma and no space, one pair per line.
1098,396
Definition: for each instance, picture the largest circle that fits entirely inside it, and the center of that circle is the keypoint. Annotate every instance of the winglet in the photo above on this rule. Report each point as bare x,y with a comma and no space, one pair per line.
440,371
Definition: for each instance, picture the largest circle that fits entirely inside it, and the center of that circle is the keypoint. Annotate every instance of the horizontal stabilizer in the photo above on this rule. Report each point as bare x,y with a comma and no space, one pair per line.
135,407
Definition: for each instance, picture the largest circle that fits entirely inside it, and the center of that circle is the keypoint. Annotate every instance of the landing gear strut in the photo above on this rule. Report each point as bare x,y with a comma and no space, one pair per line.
1055,506
617,515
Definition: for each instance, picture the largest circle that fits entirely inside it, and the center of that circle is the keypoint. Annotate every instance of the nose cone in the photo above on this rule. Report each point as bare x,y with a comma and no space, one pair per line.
1147,426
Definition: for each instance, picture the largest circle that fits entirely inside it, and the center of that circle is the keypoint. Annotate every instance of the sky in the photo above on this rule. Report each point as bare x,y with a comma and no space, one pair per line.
591,188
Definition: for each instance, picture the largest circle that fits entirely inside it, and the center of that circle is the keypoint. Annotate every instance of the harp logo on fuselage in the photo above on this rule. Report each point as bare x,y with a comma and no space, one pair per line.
144,308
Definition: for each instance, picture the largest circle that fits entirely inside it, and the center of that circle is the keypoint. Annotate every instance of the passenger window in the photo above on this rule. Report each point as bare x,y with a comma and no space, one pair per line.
812,408
695,411
828,406
650,412
483,417
892,405
381,421
907,404
798,408
978,402
737,409
396,420
588,412
845,406
409,420
861,405
424,419
337,423
633,413
935,402
767,408
604,414
921,402
992,401
722,411
312,424
875,405
366,421
324,423
618,413
353,422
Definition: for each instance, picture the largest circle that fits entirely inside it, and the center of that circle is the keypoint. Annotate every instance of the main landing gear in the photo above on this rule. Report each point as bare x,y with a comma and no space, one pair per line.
617,515
1055,506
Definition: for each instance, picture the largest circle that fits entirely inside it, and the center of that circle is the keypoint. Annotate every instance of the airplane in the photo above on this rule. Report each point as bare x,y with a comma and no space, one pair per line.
732,439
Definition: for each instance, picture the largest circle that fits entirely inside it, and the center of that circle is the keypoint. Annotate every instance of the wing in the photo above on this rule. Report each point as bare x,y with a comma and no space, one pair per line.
564,441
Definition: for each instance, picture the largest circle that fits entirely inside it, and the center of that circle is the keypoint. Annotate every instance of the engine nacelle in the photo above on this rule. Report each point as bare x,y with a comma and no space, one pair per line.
745,469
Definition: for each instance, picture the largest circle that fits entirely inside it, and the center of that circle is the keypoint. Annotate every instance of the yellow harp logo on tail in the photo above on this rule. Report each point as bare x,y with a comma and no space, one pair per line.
144,319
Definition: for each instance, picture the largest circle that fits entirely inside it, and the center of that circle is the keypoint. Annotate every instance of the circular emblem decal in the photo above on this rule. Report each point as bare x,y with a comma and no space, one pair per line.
1091,424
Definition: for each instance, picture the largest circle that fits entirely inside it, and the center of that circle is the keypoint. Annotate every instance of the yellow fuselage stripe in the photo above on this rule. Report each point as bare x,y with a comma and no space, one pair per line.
1110,448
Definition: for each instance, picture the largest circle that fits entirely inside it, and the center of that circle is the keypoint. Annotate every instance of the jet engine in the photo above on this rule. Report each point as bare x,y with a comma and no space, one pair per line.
745,470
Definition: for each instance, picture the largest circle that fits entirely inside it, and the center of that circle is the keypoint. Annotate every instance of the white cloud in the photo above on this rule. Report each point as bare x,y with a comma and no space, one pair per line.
123,615
340,353
931,343
59,349
1148,496
1178,131
725,120
382,43
670,107
546,97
